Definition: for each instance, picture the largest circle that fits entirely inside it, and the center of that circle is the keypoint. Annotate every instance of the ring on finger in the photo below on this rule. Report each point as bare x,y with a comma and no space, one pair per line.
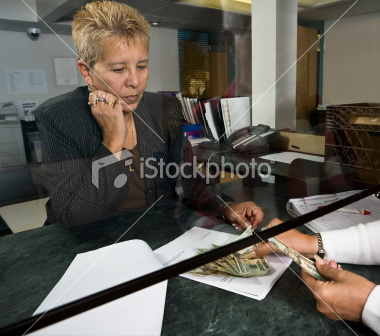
101,99
261,208
110,104
91,104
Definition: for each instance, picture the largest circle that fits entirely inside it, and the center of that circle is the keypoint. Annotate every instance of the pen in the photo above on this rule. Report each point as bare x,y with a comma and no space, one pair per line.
353,211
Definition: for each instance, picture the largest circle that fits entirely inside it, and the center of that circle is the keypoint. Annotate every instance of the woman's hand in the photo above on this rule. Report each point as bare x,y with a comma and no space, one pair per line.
302,243
343,296
110,117
244,214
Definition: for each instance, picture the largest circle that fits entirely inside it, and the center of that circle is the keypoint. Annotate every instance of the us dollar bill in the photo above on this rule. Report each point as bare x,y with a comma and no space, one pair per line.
239,264
305,263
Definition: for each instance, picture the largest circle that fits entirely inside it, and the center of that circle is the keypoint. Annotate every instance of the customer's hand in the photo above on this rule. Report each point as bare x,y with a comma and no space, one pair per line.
302,243
343,296
110,117
244,214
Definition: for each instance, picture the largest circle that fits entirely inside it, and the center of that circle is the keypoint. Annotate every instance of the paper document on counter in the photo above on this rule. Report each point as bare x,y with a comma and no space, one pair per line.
289,157
184,247
100,269
336,219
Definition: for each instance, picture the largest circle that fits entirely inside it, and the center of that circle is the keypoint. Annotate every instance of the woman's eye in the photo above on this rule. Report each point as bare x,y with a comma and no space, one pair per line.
117,70
141,67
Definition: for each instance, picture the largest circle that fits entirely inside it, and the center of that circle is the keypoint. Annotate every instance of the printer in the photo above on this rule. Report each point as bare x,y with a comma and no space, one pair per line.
12,148
8,113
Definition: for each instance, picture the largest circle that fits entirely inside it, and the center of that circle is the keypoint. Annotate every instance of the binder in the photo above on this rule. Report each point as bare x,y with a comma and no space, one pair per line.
214,119
334,220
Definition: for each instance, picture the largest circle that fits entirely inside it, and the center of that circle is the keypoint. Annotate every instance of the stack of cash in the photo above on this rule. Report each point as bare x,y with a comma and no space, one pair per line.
239,264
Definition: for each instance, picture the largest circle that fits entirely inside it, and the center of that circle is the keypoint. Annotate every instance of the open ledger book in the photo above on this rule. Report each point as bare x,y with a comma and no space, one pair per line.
335,220
100,269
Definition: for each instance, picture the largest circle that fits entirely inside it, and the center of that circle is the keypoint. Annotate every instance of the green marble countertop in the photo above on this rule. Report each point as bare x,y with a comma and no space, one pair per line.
32,262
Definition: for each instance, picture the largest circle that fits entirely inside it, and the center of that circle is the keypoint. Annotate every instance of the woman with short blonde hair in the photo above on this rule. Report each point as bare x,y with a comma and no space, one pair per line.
101,143
97,21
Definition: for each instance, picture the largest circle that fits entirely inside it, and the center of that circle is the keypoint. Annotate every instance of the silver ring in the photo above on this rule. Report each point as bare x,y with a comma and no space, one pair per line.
101,99
91,104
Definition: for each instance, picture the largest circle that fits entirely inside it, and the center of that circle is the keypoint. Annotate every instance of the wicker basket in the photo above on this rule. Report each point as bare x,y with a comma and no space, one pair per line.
353,135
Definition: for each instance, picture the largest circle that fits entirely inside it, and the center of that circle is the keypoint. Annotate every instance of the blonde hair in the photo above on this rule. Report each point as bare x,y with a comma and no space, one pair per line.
94,23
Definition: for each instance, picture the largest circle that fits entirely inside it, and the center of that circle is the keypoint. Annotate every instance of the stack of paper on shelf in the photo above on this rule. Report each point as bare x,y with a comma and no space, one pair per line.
236,113
226,116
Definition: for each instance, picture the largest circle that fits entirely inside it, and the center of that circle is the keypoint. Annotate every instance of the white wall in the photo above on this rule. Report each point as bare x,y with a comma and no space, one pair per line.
19,52
352,60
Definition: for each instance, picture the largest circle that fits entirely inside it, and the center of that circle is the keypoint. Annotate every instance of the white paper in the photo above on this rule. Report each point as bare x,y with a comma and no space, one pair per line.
240,112
210,120
185,246
288,157
96,270
27,108
26,81
196,141
66,71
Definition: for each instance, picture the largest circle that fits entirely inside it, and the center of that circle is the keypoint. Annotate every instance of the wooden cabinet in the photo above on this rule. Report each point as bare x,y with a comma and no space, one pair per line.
307,75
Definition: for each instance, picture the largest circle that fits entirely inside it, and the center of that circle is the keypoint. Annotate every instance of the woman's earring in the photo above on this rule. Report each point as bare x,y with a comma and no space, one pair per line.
91,88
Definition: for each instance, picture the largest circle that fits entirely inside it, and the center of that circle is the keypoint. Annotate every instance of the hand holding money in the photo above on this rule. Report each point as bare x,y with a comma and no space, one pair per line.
305,263
275,244
344,294
305,244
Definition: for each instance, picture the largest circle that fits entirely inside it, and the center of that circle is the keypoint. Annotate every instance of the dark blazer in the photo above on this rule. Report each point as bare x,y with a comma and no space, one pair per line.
73,157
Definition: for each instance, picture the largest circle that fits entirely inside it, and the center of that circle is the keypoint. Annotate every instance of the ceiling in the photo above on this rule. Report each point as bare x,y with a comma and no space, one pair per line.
56,15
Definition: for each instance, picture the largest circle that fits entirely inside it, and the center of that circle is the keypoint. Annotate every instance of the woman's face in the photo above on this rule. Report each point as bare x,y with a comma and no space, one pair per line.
123,70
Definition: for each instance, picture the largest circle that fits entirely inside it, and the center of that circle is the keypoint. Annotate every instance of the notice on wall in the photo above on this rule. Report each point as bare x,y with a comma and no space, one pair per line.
66,71
26,81
27,108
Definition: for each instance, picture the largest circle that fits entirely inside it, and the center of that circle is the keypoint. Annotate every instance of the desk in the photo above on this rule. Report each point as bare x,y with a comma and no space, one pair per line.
297,179
32,262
